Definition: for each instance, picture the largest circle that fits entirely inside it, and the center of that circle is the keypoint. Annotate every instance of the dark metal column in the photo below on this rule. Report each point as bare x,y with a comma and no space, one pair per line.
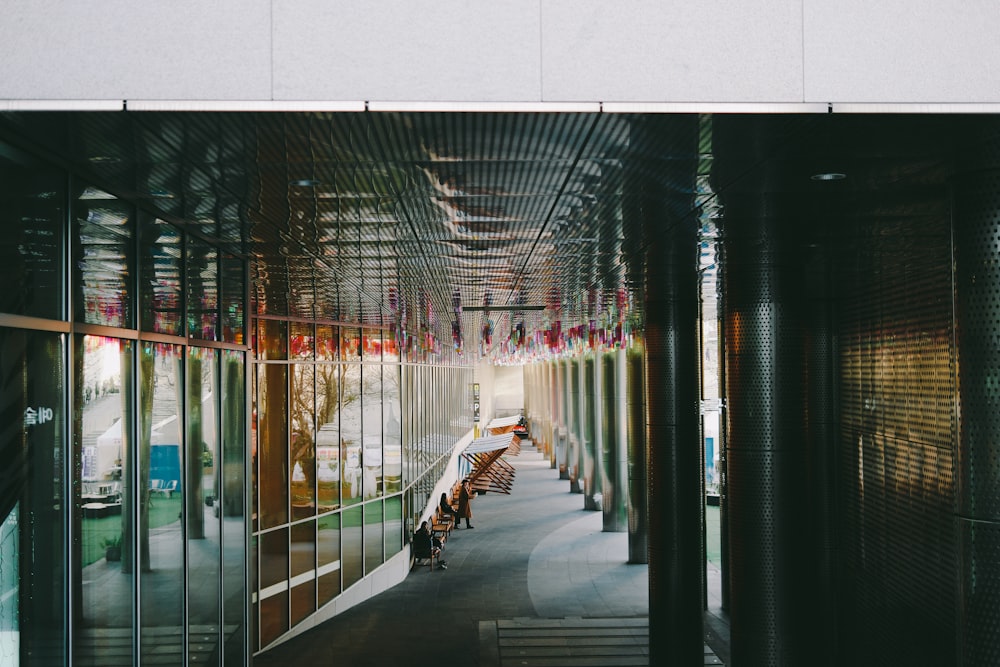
769,525
673,440
638,490
613,441
977,283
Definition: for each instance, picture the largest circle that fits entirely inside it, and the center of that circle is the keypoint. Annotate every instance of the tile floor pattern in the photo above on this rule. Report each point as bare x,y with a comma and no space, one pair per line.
535,557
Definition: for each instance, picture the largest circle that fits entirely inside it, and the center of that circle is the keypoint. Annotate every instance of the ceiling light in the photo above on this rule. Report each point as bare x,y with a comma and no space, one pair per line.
305,182
829,176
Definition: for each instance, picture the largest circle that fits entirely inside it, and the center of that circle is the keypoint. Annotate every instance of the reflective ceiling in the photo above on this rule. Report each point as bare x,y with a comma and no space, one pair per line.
490,219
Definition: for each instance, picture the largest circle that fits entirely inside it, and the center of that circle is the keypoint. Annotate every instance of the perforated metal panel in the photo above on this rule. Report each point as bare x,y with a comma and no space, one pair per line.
898,435
769,522
977,239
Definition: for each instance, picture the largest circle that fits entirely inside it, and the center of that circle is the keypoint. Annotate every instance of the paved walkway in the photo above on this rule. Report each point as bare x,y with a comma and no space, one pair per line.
534,556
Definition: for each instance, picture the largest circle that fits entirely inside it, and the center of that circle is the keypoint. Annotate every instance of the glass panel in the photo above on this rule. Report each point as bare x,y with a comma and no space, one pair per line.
327,342
393,526
272,434
32,215
390,345
328,557
371,427
351,545
102,259
350,433
374,549
233,513
392,435
303,562
204,526
302,445
301,340
161,490
329,452
255,598
32,516
231,299
10,548
273,595
203,290
371,344
102,511
350,344
272,340
160,245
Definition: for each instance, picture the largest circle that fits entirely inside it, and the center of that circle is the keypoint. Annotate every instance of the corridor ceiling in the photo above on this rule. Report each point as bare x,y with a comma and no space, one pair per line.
430,218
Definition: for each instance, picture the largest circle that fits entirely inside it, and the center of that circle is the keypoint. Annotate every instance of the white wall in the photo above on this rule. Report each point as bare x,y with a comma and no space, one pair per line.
508,391
597,51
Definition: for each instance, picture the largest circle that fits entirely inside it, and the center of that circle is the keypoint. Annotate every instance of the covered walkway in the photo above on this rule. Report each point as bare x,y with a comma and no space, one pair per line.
536,583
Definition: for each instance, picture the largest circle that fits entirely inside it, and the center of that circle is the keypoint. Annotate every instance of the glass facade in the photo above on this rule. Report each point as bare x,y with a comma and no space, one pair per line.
123,521
172,490
341,462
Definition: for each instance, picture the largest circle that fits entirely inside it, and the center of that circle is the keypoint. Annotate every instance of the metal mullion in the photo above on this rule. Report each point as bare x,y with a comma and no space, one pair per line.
134,517
69,400
185,477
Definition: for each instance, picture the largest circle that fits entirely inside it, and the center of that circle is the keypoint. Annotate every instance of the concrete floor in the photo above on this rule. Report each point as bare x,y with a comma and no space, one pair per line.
536,582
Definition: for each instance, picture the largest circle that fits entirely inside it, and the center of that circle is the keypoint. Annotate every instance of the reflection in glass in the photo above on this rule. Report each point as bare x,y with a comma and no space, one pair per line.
350,344
301,340
102,511
351,545
273,596
302,447
102,260
31,256
32,507
350,433
272,436
327,342
371,344
255,591
272,340
371,428
329,452
393,526
328,557
204,526
231,299
232,506
202,290
303,570
161,491
374,549
392,434
160,245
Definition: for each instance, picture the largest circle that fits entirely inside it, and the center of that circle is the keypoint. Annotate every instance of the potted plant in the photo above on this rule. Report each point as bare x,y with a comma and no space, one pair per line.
112,547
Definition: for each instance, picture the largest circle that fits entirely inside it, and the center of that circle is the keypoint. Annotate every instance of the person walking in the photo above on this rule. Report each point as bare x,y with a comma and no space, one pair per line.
464,504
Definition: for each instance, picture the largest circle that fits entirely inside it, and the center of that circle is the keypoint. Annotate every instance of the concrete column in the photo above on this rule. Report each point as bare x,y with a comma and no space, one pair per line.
638,489
562,397
614,438
572,370
589,461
